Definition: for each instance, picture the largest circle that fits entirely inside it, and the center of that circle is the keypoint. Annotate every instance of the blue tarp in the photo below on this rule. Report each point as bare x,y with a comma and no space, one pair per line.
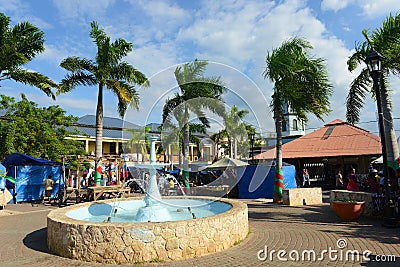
2,177
258,181
30,174
18,159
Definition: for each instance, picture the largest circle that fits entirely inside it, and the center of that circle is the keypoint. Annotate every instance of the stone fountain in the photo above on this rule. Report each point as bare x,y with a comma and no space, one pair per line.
80,231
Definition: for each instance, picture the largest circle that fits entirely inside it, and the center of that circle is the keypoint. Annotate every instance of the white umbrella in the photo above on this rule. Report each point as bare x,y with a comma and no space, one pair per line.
378,160
224,163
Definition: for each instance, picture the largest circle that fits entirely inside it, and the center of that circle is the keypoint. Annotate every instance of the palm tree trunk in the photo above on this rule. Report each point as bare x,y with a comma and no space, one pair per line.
185,148
235,148
392,149
137,152
278,186
99,133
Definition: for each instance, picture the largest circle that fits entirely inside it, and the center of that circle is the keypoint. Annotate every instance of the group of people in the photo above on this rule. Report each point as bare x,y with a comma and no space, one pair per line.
374,182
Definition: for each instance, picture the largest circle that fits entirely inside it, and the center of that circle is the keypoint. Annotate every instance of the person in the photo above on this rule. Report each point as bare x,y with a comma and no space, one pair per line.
83,180
353,182
48,186
306,176
339,180
171,183
372,182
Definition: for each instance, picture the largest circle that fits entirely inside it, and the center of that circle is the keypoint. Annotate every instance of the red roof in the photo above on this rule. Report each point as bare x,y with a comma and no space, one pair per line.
337,138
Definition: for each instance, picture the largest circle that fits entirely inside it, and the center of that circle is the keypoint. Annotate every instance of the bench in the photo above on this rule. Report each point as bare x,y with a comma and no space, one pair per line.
95,192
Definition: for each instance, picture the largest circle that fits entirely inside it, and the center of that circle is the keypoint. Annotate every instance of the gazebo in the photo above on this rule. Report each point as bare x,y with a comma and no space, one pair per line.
336,146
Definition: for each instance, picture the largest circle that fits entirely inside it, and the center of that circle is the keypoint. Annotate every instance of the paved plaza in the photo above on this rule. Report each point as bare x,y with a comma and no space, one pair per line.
293,230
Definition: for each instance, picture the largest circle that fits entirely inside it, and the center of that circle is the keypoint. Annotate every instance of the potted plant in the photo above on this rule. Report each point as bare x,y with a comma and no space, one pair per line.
348,209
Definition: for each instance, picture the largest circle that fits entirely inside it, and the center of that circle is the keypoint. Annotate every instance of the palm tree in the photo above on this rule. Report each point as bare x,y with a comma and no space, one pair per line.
139,140
197,94
107,70
235,128
386,41
18,46
300,80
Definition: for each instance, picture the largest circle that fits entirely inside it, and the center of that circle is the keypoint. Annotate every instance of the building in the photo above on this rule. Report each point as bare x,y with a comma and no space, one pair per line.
116,137
336,146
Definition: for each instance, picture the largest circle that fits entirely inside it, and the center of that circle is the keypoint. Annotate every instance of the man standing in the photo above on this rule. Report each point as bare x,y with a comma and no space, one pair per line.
48,186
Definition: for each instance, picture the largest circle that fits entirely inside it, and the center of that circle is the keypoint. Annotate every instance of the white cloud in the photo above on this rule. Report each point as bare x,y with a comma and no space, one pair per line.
373,8
370,8
20,11
335,5
76,9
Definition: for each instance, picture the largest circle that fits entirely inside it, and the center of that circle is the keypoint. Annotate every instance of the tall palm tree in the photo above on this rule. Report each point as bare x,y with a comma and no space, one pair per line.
300,80
107,70
235,128
197,94
18,46
385,40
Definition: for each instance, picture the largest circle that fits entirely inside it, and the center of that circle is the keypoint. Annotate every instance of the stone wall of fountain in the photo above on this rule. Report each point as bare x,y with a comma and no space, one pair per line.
118,243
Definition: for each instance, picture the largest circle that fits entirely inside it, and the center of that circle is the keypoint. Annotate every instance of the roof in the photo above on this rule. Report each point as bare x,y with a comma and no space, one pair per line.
18,159
108,122
336,138
112,127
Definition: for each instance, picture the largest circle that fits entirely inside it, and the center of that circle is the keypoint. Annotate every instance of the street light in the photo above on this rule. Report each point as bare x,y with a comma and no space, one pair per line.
374,63
251,136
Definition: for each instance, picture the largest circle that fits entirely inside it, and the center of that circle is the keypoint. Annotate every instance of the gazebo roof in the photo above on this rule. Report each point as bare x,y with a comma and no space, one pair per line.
336,138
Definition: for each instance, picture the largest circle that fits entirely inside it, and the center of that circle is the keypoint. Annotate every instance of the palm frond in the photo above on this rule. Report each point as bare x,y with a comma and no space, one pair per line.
35,79
78,64
29,40
355,98
362,50
299,79
125,71
126,94
70,81
172,109
120,49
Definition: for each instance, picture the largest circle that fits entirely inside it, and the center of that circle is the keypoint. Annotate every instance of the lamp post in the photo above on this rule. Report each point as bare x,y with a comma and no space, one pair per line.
251,136
374,63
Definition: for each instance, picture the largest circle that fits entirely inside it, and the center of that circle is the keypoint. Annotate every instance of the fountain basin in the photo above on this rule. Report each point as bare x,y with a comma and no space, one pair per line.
135,242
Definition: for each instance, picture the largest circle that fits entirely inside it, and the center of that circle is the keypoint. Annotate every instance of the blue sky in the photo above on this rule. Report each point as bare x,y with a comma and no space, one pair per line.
233,35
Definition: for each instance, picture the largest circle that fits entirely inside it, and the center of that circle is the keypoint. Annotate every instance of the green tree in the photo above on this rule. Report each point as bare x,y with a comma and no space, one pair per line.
385,40
39,132
197,94
235,129
18,46
302,81
107,70
139,140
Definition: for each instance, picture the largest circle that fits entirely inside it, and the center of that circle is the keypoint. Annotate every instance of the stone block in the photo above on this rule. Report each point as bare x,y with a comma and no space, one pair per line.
302,196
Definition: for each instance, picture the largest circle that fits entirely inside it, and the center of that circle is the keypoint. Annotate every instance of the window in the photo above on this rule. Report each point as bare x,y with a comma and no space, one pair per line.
295,126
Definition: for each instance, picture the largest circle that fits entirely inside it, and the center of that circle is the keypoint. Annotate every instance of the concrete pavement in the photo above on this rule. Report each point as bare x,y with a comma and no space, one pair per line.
293,230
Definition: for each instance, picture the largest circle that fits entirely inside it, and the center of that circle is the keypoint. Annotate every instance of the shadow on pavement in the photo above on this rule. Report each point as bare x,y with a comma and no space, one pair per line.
365,227
37,240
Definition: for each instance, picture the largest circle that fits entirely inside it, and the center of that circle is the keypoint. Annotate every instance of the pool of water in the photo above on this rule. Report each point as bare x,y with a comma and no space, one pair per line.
126,211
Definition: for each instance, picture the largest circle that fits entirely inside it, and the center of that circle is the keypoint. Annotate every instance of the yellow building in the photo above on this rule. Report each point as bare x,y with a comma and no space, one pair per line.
116,141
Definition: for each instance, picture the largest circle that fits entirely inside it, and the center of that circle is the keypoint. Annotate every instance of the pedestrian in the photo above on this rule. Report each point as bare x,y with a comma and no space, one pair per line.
339,180
306,177
353,182
48,186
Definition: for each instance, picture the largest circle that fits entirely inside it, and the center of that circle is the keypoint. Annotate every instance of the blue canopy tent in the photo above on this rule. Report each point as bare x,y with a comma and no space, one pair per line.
30,173
258,181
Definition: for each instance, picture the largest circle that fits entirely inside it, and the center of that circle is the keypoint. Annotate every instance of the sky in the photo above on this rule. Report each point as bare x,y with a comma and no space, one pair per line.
234,36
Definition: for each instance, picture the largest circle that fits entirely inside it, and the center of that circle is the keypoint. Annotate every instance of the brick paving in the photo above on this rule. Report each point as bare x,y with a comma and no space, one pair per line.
23,238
